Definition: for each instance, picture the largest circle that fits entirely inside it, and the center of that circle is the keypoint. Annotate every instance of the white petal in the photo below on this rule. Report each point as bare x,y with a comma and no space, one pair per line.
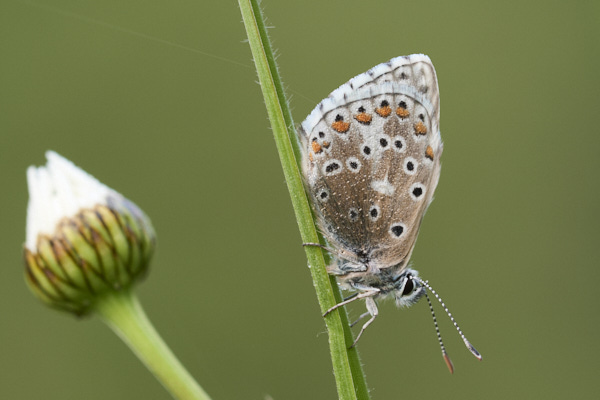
59,189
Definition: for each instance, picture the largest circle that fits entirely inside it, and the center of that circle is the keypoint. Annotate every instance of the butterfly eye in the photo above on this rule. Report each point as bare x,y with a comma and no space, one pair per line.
409,287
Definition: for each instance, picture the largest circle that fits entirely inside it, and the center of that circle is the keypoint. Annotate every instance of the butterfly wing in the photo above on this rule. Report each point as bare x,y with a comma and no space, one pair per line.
371,160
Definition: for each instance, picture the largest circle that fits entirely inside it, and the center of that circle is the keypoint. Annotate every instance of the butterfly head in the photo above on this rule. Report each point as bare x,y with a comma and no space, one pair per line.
407,290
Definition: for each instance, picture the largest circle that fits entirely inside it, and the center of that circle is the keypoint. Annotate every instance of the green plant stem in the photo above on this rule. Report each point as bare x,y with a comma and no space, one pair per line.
350,380
124,314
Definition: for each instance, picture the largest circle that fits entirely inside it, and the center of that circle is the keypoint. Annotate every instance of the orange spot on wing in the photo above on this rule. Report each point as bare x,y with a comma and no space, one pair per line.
402,112
310,157
429,153
420,128
316,147
326,144
363,118
341,126
384,111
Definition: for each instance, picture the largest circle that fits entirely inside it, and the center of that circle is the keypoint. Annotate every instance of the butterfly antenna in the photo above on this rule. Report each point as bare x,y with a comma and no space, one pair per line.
439,335
467,343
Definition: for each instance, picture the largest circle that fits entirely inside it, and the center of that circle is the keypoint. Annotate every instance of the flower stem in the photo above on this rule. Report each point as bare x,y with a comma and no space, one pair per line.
350,380
124,314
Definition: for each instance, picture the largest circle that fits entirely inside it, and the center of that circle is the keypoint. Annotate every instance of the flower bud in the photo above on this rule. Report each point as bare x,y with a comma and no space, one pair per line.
83,240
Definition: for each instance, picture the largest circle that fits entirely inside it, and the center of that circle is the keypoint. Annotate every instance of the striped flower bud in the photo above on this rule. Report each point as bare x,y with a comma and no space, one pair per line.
84,240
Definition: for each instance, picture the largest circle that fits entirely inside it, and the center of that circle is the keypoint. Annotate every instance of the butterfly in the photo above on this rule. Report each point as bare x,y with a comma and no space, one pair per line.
371,162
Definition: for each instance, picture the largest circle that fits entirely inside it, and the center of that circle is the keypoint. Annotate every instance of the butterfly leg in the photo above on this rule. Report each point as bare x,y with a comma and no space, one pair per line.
371,309
345,269
317,245
342,269
359,318
367,294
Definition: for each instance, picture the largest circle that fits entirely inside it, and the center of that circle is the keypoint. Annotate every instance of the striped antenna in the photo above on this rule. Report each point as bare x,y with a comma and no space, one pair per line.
463,337
439,335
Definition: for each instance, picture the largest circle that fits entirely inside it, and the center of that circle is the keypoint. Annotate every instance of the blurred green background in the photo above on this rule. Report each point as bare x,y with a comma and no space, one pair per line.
158,99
